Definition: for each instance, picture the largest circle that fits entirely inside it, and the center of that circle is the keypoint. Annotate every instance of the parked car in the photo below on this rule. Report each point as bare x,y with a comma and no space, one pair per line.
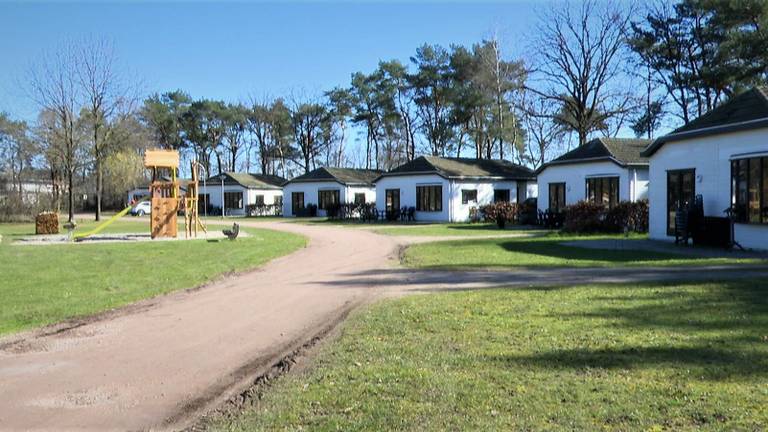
141,209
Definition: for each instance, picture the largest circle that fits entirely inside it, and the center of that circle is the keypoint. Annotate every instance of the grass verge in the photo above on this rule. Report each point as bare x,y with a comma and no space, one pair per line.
45,284
652,357
544,251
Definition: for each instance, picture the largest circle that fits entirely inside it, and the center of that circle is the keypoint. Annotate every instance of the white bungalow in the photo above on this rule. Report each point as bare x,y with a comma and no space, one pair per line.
604,170
722,156
235,192
327,186
445,189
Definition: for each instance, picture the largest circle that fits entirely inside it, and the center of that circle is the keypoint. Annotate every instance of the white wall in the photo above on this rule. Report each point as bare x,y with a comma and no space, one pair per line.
575,177
452,209
249,196
311,189
711,158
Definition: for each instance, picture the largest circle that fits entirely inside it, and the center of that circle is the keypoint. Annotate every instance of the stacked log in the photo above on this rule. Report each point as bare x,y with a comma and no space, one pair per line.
47,223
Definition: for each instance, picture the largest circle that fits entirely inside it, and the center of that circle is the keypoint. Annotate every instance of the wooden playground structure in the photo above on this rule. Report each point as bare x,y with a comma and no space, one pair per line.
166,197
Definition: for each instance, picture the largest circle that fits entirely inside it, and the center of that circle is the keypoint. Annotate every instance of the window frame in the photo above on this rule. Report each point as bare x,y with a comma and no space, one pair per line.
432,202
613,184
497,192
558,186
742,190
258,200
227,200
468,196
356,199
322,198
294,201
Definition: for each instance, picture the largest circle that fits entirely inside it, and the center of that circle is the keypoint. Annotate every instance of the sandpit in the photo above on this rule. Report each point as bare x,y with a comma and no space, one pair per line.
52,239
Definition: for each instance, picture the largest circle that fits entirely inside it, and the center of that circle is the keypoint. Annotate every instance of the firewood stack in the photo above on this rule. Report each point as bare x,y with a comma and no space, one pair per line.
47,223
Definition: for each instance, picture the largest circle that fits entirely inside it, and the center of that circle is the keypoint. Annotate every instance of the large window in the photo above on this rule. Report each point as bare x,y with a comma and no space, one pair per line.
603,190
429,198
468,196
326,198
233,200
259,200
556,196
360,198
501,195
749,190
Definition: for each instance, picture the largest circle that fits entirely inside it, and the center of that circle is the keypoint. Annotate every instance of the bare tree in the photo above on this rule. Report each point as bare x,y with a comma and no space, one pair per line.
54,87
308,118
107,99
544,134
579,54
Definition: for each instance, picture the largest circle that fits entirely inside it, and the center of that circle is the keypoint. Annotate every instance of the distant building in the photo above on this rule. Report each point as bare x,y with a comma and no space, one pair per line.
328,186
604,171
234,192
36,187
444,189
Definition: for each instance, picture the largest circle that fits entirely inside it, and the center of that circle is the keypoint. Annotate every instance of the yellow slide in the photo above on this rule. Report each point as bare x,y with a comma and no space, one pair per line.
107,223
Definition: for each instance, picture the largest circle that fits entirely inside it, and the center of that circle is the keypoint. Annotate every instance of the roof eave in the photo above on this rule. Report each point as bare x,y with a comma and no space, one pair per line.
697,133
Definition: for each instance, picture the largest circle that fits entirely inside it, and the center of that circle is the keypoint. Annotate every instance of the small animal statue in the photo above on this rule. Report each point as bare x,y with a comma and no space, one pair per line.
232,234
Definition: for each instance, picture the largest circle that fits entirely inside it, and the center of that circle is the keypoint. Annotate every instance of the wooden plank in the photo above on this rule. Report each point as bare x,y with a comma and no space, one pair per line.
161,158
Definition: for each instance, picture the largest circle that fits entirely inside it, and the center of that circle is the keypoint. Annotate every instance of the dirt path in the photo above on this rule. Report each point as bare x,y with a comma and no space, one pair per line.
152,366
158,364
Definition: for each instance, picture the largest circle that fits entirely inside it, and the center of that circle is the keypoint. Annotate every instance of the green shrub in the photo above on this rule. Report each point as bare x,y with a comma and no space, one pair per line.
584,217
630,215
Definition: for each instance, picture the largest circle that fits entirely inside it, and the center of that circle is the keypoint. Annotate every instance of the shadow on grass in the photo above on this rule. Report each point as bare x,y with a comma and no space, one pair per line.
710,363
717,331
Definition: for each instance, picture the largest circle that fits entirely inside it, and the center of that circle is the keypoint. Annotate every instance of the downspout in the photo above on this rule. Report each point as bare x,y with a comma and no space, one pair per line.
633,186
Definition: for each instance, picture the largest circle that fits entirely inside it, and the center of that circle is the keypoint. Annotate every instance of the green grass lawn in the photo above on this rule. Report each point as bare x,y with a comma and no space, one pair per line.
543,251
649,358
46,284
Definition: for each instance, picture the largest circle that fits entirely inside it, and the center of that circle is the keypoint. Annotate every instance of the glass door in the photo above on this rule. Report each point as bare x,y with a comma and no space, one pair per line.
681,191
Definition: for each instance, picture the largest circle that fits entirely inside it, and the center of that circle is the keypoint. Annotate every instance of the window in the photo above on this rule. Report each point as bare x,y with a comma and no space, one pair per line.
297,202
233,200
259,200
429,198
326,198
468,196
278,200
360,198
556,196
203,200
603,190
392,199
749,190
501,195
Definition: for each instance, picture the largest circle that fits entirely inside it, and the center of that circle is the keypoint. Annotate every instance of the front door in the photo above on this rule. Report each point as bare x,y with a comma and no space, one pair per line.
521,191
297,202
392,200
681,190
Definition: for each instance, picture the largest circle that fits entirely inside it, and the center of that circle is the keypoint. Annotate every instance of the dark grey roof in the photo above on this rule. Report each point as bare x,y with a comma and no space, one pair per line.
345,176
746,111
248,180
623,151
463,168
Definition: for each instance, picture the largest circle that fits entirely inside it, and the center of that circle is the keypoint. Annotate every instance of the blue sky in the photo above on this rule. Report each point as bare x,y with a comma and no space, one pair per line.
233,50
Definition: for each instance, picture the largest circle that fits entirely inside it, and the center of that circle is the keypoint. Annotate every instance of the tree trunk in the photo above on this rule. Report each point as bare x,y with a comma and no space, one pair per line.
71,197
99,184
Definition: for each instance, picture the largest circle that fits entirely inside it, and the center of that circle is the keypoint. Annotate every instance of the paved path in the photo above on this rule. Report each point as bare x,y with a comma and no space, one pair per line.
157,364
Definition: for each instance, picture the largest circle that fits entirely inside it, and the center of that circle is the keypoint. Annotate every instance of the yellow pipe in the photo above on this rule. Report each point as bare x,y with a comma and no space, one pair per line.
101,227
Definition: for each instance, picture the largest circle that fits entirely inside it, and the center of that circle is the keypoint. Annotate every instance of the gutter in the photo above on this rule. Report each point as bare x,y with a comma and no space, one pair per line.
712,130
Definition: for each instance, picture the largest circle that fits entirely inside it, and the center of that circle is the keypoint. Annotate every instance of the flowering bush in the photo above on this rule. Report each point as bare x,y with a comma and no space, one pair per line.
500,212
588,217
632,215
